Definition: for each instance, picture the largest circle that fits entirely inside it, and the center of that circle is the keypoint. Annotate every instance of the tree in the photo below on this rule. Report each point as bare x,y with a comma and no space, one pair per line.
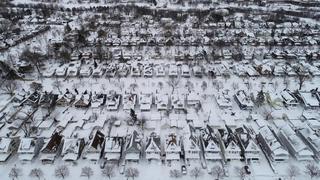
196,172
67,28
36,173
204,85
260,98
9,87
312,170
217,171
57,84
34,86
133,86
241,172
293,171
173,82
15,173
87,172
189,85
108,171
34,58
62,171
302,78
174,173
131,173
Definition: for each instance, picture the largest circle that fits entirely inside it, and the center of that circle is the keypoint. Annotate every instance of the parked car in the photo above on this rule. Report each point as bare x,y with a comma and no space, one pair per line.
183,169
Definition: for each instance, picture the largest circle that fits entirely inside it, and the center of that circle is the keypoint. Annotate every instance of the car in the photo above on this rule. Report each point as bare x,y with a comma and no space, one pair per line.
246,168
183,169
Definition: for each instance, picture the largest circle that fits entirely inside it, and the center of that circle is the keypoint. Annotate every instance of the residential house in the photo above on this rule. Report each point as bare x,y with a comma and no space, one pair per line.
210,144
133,147
94,147
178,101
172,148
52,148
65,99
162,101
29,148
145,101
153,150
8,147
113,101
271,145
113,148
83,100
288,98
129,101
243,100
72,149
191,148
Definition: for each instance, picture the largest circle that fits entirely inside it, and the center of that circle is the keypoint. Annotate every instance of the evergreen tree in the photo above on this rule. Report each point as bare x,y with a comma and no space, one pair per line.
260,98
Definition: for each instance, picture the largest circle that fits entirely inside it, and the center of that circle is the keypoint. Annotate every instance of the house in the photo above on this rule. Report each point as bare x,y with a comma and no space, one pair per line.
288,98
308,99
73,70
48,100
295,145
153,150
111,70
197,71
243,100
210,144
61,71
178,101
310,138
172,148
223,99
129,101
269,142
191,148
51,149
160,70
72,149
133,147
193,99
162,101
135,70
83,100
8,147
249,149
113,101
145,101
173,70
98,72
85,71
65,99
29,148
98,100
123,69
113,148
33,99
229,145
147,70
185,71
94,147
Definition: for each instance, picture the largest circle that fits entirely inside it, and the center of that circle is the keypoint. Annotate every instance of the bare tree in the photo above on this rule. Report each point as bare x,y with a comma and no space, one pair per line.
302,78
235,86
57,84
293,171
189,85
9,87
174,173
217,171
196,172
36,173
15,173
204,85
87,172
268,113
108,171
62,171
131,173
312,170
241,172
173,82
